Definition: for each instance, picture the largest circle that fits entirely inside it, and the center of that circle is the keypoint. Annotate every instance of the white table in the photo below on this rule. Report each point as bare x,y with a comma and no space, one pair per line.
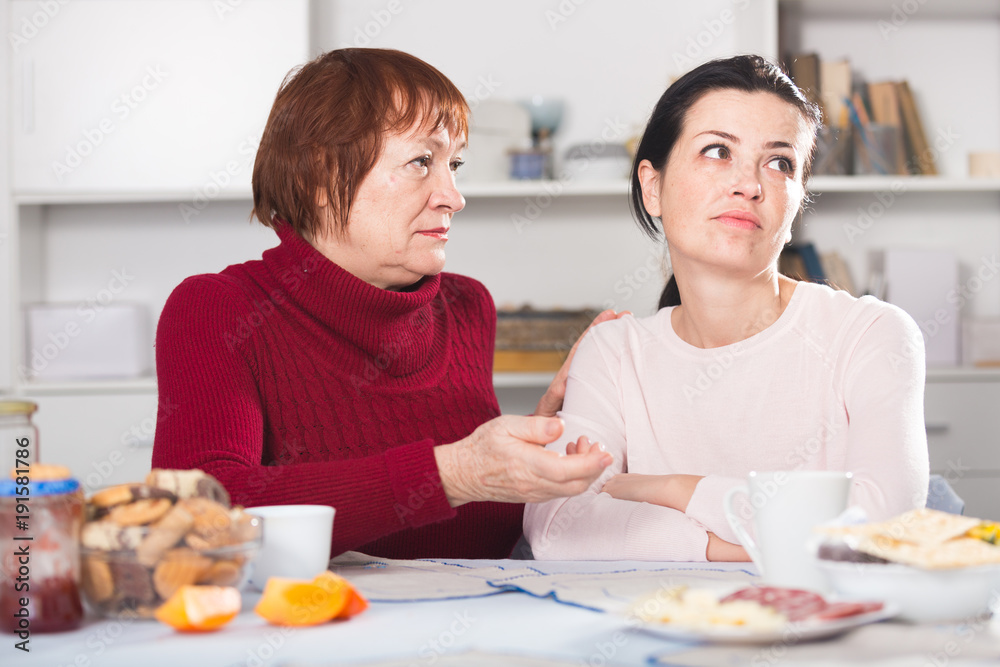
428,633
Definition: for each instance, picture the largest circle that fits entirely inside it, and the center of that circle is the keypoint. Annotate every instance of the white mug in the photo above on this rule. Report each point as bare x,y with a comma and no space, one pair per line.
296,542
785,506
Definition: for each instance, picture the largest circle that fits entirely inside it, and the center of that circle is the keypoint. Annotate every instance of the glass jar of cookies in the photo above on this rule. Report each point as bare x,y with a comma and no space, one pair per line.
41,514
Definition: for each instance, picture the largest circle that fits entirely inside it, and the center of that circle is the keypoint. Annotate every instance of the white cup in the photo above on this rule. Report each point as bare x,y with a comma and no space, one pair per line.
785,506
296,542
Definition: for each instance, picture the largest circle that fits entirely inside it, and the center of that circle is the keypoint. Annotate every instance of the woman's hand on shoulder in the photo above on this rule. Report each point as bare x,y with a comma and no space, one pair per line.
667,490
551,402
505,460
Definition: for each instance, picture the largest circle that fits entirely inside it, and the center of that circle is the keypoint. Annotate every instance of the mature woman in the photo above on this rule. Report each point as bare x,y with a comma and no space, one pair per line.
343,367
747,369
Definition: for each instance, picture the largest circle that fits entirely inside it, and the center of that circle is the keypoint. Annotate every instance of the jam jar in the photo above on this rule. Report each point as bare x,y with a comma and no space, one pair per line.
40,522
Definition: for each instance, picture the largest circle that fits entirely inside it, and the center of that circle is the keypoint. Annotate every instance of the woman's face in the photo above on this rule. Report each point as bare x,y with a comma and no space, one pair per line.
398,225
732,184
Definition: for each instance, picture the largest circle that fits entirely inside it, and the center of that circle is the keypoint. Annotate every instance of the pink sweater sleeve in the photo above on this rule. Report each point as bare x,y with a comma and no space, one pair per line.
883,382
881,377
593,525
211,417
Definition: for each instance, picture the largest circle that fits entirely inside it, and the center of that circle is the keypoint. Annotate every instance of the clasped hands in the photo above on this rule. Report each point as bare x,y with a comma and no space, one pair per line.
502,459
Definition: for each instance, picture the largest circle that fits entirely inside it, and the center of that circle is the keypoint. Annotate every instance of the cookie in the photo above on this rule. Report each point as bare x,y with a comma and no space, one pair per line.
164,534
212,522
42,472
95,575
222,573
109,536
140,512
179,567
104,500
133,584
189,484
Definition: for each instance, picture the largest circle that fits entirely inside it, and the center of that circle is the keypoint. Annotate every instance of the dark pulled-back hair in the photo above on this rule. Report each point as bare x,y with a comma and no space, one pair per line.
327,128
746,73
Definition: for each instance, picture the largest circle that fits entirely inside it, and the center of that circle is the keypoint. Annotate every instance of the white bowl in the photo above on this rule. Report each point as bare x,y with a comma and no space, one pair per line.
934,596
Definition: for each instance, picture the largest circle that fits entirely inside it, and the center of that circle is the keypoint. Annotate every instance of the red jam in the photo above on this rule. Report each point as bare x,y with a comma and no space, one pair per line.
40,557
53,606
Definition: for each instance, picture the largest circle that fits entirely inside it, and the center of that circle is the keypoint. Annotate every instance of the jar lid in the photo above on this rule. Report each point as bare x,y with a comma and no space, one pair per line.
16,406
8,488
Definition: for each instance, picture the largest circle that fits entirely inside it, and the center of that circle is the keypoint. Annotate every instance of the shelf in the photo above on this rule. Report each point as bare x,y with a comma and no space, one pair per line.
902,184
963,374
191,197
543,188
509,380
512,189
883,9
144,385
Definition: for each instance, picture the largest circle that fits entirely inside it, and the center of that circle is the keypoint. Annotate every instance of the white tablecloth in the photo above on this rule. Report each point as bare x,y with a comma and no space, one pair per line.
527,629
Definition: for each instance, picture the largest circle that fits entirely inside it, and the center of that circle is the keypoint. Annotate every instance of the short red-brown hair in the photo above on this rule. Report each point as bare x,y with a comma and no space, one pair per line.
327,128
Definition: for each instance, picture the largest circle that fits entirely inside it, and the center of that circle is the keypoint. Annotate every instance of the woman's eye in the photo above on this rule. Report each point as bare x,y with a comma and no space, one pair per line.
717,152
422,161
455,164
782,164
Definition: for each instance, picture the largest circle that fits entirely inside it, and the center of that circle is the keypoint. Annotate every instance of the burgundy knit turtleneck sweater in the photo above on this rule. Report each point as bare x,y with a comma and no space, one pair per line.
292,381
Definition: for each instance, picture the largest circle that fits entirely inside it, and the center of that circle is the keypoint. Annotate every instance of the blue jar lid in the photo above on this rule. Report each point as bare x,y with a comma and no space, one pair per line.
8,488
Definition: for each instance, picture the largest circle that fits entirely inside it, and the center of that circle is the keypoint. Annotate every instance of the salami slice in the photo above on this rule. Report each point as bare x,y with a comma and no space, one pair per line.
796,604
835,610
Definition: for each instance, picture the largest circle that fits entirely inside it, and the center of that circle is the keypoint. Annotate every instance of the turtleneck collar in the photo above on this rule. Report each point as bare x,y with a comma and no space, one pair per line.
394,330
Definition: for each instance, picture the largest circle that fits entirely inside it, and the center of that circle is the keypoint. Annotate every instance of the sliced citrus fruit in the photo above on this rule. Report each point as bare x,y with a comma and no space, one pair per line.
299,602
334,583
200,608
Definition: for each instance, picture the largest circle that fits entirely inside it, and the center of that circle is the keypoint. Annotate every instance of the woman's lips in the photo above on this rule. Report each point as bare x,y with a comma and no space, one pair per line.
439,233
739,219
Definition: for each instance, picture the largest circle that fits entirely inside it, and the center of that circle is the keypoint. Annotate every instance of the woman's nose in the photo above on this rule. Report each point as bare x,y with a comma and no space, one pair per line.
446,194
747,183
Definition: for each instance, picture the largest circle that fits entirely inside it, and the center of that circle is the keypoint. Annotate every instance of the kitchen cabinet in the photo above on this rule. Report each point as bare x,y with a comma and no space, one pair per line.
963,436
151,96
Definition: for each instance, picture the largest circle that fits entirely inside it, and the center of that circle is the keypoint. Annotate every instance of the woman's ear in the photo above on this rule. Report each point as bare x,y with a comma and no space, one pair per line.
321,199
649,180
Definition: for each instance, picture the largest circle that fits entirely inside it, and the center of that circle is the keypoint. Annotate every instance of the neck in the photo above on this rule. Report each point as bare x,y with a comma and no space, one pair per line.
723,310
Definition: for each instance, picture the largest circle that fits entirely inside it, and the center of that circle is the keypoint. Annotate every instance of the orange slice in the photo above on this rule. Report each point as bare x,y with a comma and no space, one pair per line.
298,602
200,608
333,583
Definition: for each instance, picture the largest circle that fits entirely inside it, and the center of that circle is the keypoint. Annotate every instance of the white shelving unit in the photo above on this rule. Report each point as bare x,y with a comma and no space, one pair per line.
870,184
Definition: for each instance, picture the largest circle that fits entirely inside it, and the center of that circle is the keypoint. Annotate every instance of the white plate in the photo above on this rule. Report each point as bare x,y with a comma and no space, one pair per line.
792,633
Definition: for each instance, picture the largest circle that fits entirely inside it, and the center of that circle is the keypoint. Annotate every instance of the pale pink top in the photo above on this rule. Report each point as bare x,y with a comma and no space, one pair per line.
836,383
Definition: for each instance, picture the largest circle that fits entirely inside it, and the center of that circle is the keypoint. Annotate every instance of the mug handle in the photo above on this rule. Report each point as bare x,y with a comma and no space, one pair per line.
737,525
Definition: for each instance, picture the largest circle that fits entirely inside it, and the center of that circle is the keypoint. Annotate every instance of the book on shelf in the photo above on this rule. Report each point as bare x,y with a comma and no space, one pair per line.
801,261
888,135
875,145
920,157
838,275
835,90
885,110
805,73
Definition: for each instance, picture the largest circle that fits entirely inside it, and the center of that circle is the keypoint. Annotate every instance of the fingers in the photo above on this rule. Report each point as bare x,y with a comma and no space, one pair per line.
536,430
582,446
566,469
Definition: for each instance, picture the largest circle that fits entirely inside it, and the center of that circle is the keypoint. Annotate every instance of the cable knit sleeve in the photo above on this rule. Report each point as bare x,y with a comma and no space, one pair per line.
593,525
212,418
883,380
